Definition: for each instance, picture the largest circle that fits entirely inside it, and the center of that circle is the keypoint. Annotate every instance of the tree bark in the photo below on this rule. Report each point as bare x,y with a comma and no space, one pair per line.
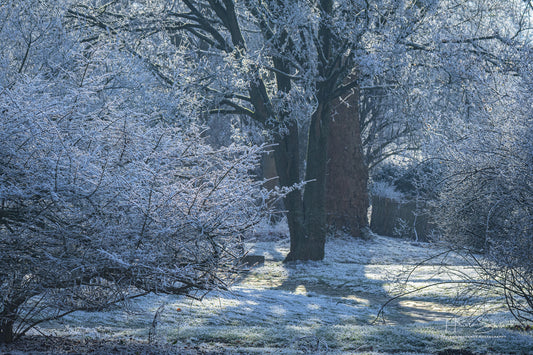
347,173
311,245
6,331
7,321
287,158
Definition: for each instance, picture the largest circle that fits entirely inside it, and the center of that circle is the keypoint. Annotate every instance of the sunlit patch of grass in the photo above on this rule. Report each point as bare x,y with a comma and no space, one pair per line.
317,305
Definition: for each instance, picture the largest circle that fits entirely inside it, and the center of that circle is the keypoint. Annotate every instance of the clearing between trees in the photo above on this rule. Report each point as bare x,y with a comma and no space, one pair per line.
312,307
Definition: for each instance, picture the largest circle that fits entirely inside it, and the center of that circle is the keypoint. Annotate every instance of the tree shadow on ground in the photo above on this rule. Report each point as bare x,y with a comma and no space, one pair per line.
307,301
310,307
368,293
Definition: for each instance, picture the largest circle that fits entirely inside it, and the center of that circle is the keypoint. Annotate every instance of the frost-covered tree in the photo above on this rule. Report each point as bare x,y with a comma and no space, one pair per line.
102,197
281,63
287,65
480,134
476,115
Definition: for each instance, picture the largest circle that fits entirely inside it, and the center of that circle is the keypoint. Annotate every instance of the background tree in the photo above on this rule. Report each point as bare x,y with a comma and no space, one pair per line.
477,119
347,171
283,64
296,59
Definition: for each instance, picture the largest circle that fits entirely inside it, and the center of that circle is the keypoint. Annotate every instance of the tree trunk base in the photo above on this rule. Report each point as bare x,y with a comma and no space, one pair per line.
6,330
315,253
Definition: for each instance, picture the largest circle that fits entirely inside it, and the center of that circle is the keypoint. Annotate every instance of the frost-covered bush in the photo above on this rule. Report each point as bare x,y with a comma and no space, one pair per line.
97,206
486,194
386,190
487,205
102,196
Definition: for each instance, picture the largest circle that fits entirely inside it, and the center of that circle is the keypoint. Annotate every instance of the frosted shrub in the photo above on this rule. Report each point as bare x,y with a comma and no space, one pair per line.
99,204
487,200
386,190
486,205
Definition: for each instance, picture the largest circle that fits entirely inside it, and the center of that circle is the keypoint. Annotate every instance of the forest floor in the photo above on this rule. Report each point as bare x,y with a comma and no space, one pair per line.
314,307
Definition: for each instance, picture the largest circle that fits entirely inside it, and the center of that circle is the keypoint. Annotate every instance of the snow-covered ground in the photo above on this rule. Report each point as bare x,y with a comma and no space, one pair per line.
317,306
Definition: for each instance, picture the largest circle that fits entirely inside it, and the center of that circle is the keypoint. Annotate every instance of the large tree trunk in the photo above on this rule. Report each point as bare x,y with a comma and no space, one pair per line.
6,330
287,158
311,246
7,321
347,174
